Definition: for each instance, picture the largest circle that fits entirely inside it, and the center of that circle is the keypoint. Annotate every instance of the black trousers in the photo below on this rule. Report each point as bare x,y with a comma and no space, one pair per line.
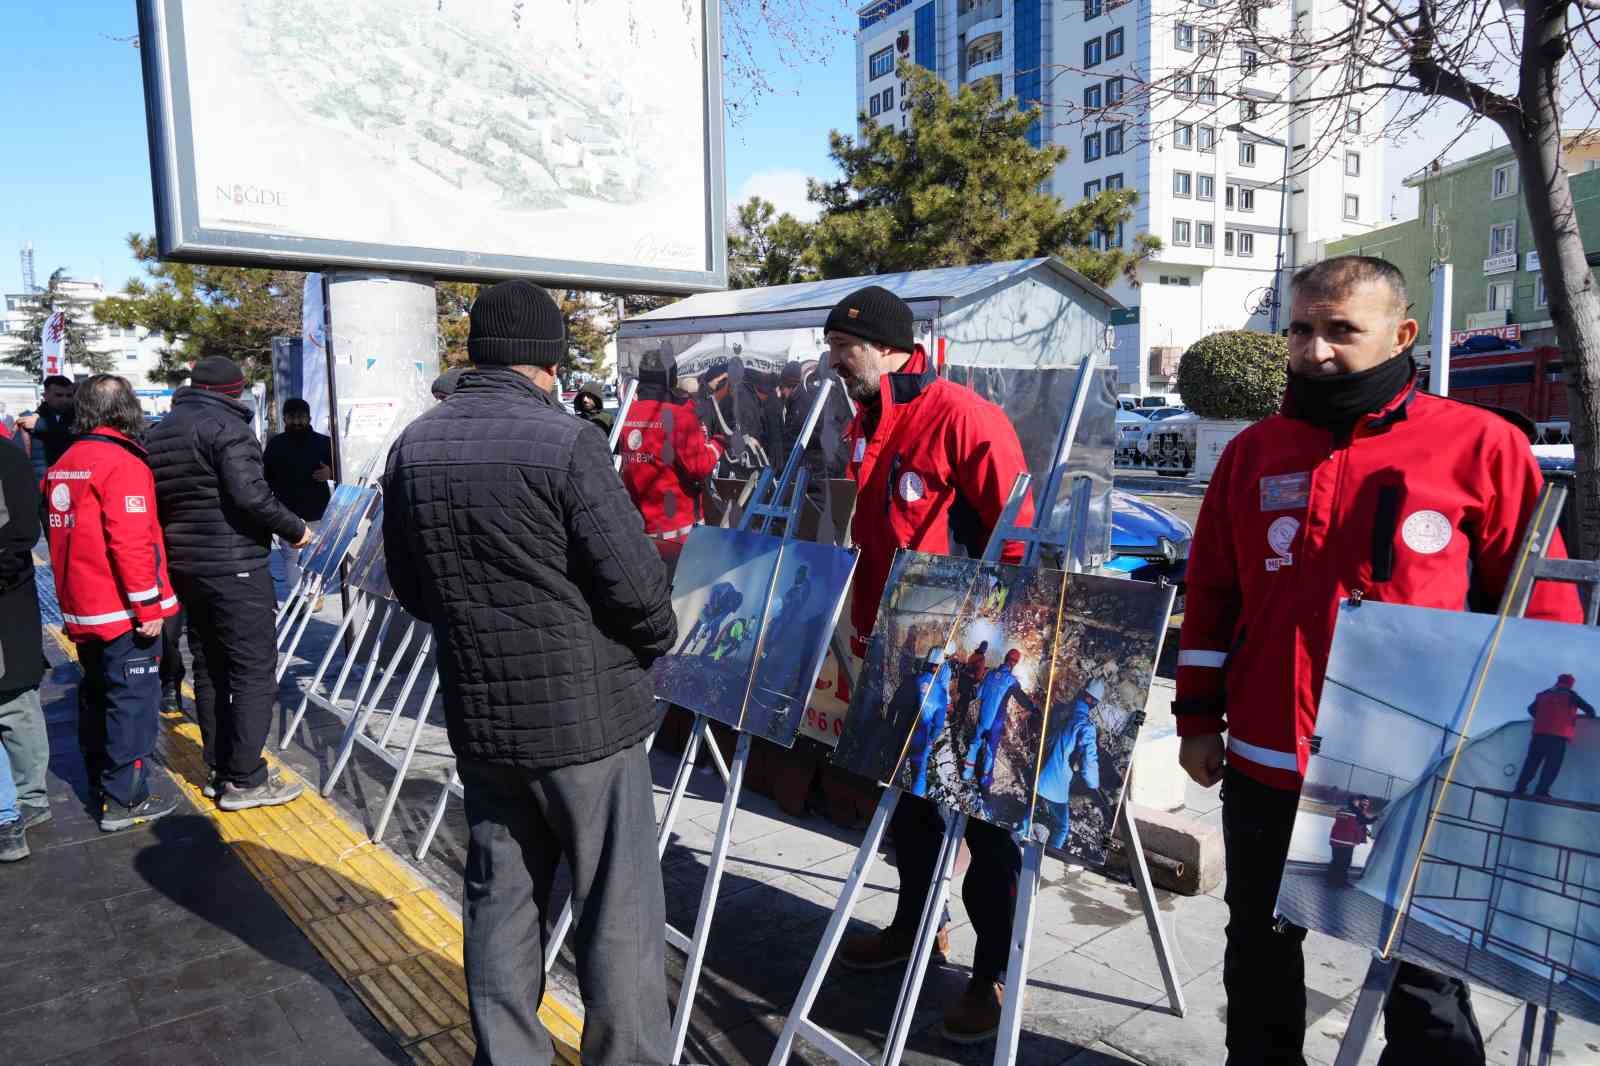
172,672
1427,1017
1339,868
1546,751
989,889
232,645
119,702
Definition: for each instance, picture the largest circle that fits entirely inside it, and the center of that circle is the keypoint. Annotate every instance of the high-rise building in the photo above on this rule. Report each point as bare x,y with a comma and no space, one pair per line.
1162,97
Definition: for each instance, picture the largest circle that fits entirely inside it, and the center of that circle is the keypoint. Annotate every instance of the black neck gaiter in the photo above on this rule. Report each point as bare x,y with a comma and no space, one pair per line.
1337,401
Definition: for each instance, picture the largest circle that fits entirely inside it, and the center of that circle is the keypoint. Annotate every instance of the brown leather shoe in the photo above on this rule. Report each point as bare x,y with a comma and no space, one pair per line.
884,948
975,1017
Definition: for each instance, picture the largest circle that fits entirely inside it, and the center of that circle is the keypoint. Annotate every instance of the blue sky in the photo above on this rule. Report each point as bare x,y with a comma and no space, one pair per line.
76,178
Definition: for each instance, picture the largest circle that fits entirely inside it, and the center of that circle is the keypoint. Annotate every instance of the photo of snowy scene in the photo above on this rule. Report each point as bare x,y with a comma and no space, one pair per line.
719,594
923,602
1107,646
562,131
981,693
801,614
1486,820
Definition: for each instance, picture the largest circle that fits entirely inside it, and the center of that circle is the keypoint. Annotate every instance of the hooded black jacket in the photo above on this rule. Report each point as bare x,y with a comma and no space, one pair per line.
507,529
21,657
217,513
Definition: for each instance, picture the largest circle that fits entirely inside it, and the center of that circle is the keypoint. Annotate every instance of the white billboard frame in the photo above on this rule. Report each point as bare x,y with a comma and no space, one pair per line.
181,237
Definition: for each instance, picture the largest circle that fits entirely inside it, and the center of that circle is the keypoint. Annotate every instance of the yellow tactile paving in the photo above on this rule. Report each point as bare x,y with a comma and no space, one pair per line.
389,935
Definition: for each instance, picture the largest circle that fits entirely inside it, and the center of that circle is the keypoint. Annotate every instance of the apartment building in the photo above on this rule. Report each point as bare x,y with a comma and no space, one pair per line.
135,351
1178,100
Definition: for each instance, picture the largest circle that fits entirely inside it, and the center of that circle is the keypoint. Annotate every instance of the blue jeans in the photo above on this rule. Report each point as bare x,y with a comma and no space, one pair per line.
8,791
1061,816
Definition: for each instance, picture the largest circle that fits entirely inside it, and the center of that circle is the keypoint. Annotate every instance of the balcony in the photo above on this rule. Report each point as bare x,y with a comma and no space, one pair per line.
984,56
971,12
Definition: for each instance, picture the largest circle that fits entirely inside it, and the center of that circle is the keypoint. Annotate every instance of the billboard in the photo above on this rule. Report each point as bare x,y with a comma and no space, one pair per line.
571,144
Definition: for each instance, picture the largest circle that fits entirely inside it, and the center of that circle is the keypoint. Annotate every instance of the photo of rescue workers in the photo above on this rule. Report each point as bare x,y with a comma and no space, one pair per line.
1107,646
1452,824
754,616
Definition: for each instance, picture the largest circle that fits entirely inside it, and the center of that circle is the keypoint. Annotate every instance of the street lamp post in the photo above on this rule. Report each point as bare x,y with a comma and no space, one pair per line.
1283,210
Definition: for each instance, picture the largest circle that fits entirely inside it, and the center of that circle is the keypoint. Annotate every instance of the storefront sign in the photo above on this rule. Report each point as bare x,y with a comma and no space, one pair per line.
1500,264
1505,333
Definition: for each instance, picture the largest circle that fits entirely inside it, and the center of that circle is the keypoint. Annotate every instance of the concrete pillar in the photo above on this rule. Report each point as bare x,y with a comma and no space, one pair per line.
384,346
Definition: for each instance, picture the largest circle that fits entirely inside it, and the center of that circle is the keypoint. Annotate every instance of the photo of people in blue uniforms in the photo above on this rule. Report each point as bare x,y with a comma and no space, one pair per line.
995,693
933,694
1072,751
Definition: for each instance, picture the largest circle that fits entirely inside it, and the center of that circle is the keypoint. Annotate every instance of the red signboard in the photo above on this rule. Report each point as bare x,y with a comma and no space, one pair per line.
1505,333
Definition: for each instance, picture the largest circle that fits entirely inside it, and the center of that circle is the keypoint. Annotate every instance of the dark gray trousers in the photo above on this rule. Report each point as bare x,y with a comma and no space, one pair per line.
601,817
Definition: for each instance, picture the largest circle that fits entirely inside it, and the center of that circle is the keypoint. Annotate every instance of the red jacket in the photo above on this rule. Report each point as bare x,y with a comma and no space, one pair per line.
105,540
1348,829
934,472
1555,712
666,456
1425,504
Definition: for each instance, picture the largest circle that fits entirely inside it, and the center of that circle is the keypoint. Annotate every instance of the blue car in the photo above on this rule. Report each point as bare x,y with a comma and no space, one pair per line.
1147,542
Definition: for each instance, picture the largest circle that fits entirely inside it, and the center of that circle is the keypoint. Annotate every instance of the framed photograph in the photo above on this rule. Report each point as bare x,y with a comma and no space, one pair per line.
573,144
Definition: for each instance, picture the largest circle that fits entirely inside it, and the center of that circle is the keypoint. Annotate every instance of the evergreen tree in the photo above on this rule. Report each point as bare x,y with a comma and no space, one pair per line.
30,356
962,184
766,248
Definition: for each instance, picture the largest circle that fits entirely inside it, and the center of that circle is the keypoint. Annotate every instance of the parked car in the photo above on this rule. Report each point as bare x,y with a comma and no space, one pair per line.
1130,427
1148,543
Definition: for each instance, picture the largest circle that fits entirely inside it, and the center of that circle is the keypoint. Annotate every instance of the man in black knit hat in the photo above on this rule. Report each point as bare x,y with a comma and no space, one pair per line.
219,517
508,530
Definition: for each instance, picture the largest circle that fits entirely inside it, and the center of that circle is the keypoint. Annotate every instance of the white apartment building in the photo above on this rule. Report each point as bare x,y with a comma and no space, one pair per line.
136,352
1207,151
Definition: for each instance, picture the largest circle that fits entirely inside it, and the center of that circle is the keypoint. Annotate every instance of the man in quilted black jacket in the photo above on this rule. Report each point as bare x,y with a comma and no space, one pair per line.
508,530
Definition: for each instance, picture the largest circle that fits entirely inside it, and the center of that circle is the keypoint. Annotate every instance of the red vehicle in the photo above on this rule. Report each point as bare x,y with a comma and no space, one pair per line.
1526,380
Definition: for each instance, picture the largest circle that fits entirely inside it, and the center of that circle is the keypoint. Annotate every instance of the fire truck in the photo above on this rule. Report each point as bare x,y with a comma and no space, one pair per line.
1499,373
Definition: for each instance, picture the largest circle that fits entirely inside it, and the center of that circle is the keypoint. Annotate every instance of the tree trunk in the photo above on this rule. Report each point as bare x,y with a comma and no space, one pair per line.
1535,137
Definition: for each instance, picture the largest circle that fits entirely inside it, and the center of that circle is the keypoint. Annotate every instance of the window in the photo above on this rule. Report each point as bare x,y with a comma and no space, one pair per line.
1247,244
1114,44
1252,17
1352,206
1540,297
1203,234
1173,279
1230,195
1180,231
1114,181
1205,187
1091,98
880,64
1208,138
1500,296
1249,60
1240,198
130,357
1503,239
1091,52
1092,9
1208,90
888,98
1183,39
1091,147
1113,91
1186,85
1227,242
1247,153
1208,41
1182,183
1091,189
1352,164
1113,238
875,106
1591,164
1249,109
1352,121
1183,135
1504,181
1114,140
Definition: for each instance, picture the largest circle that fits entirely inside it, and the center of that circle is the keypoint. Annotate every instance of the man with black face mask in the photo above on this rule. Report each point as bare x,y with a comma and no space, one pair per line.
1362,486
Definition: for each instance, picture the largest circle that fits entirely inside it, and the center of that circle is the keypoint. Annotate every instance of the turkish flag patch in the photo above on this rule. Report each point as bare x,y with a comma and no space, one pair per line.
134,504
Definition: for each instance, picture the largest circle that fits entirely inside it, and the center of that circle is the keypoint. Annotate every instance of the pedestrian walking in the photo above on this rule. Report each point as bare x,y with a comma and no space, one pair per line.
298,464
219,517
23,737
109,559
1555,719
507,529
1363,485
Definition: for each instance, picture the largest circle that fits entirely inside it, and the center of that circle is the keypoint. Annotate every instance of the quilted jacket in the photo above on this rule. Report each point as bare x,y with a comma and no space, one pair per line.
216,509
507,529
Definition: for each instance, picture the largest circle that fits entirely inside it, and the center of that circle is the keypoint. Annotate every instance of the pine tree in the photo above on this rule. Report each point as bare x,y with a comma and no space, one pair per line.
962,184
766,248
80,359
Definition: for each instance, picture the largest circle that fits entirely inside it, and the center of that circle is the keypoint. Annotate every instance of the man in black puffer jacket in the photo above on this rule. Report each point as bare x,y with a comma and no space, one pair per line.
507,529
219,517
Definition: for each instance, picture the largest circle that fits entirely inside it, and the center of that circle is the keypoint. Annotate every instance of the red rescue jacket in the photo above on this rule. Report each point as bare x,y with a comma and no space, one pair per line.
1555,712
106,550
1424,504
666,456
1348,829
934,473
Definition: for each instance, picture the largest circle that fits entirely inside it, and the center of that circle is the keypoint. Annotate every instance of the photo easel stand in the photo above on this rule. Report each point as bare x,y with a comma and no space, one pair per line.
1514,604
1036,537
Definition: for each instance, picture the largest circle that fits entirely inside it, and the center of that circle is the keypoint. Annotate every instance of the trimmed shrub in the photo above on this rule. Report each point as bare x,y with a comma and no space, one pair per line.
1237,374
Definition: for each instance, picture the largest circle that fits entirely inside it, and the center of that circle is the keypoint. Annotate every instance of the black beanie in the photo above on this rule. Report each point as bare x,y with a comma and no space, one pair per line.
792,375
218,373
516,323
874,314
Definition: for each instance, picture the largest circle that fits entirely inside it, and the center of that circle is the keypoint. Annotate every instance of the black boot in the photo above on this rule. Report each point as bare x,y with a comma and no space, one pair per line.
172,696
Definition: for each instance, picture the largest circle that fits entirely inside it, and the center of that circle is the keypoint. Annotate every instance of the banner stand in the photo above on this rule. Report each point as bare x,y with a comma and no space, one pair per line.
1514,604
1071,542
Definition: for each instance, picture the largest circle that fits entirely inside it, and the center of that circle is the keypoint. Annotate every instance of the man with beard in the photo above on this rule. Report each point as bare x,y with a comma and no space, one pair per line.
50,428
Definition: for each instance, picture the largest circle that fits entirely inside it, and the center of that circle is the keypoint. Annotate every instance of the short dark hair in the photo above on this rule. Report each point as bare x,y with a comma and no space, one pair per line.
57,379
107,400
1332,276
296,405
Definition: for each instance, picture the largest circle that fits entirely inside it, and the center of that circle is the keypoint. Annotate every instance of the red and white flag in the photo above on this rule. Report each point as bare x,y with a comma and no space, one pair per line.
53,343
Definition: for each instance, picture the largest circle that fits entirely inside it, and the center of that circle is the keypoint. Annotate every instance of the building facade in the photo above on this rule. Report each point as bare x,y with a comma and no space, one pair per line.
136,353
1471,214
1240,186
